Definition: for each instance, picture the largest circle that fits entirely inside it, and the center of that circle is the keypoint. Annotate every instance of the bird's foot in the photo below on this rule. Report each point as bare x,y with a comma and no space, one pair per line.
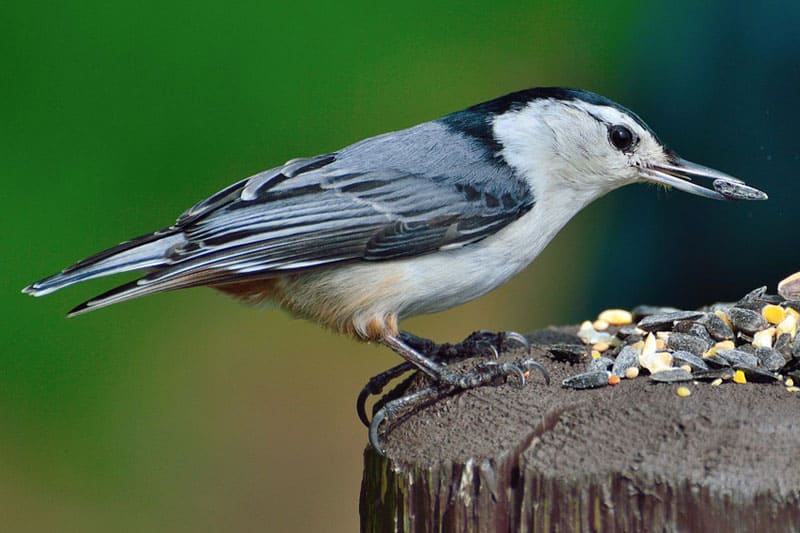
487,343
375,386
492,373
390,410
485,373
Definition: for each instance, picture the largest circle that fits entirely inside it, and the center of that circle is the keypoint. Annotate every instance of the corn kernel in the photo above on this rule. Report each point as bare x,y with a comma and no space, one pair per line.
738,377
686,367
763,338
616,317
657,362
631,372
601,346
613,379
787,325
793,389
722,345
589,335
595,354
683,392
600,325
717,382
773,313
649,345
789,382
652,361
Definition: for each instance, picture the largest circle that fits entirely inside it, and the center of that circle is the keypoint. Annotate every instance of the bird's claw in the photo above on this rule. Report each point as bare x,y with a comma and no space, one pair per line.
494,343
485,373
480,343
529,364
375,386
520,339
390,409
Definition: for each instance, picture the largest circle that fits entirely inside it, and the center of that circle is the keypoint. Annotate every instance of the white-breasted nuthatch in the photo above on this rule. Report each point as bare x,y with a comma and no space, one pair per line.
409,222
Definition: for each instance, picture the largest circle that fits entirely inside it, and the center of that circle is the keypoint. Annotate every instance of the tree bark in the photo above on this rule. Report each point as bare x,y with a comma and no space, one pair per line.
634,457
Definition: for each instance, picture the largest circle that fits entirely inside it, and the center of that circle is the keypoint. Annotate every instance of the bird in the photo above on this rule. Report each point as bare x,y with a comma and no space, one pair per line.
405,223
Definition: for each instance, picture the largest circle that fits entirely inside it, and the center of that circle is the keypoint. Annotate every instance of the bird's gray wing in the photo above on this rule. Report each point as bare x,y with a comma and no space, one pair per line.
429,188
324,212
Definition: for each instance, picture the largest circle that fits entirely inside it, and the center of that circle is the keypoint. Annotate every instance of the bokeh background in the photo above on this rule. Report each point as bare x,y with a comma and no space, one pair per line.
189,412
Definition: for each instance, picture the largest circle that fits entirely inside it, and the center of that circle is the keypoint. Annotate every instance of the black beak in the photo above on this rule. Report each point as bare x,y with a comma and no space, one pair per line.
679,174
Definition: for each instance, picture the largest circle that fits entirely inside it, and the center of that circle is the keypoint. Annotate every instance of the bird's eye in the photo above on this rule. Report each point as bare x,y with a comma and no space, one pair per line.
621,137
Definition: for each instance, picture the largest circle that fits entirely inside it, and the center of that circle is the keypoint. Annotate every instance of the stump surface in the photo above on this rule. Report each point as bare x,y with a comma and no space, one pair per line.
627,458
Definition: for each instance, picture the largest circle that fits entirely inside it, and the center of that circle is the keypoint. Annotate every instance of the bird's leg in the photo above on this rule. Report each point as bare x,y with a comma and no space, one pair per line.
377,383
390,409
485,373
479,342
445,381
375,386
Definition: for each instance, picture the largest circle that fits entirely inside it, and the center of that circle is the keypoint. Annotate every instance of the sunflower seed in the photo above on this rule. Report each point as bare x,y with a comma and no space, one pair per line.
716,360
753,297
770,358
695,329
587,380
688,343
648,310
715,373
738,191
789,287
665,320
601,363
738,357
673,375
717,328
627,358
784,345
690,359
630,334
568,353
746,320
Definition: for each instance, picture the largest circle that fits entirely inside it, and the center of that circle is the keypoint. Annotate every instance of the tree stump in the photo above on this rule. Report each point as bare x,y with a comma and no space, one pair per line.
634,457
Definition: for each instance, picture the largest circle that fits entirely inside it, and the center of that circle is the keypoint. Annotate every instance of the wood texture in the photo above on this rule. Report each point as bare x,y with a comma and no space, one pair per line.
635,457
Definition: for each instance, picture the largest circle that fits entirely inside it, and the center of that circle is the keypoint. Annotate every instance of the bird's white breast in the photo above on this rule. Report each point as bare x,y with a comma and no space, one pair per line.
444,279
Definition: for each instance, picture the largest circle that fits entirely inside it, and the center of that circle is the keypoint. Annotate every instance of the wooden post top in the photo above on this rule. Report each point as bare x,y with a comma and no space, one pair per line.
633,457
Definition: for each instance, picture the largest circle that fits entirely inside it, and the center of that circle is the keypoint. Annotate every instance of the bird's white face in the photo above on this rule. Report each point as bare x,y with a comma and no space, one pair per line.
591,149
576,145
599,146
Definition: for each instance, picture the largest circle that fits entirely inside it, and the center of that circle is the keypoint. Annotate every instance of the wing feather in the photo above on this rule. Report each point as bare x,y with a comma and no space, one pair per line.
377,200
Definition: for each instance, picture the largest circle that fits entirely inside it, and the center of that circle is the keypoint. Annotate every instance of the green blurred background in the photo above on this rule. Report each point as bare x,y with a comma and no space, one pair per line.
189,412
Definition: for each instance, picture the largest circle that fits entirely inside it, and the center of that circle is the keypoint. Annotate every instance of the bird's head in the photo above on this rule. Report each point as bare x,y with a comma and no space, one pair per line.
576,140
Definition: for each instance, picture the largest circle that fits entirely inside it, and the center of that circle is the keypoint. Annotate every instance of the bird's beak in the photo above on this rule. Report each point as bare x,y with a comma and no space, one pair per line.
678,173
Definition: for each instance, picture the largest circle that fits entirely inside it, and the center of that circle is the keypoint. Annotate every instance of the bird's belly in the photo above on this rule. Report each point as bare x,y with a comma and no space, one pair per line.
364,292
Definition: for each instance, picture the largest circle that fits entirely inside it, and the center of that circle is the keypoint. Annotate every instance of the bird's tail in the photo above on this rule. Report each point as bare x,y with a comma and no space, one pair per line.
147,251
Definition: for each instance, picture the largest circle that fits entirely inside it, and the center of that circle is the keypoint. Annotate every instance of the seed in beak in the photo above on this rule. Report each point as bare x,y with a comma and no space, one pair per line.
738,191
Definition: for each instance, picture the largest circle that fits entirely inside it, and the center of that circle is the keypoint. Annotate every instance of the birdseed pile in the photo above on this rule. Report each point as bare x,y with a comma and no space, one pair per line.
752,340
